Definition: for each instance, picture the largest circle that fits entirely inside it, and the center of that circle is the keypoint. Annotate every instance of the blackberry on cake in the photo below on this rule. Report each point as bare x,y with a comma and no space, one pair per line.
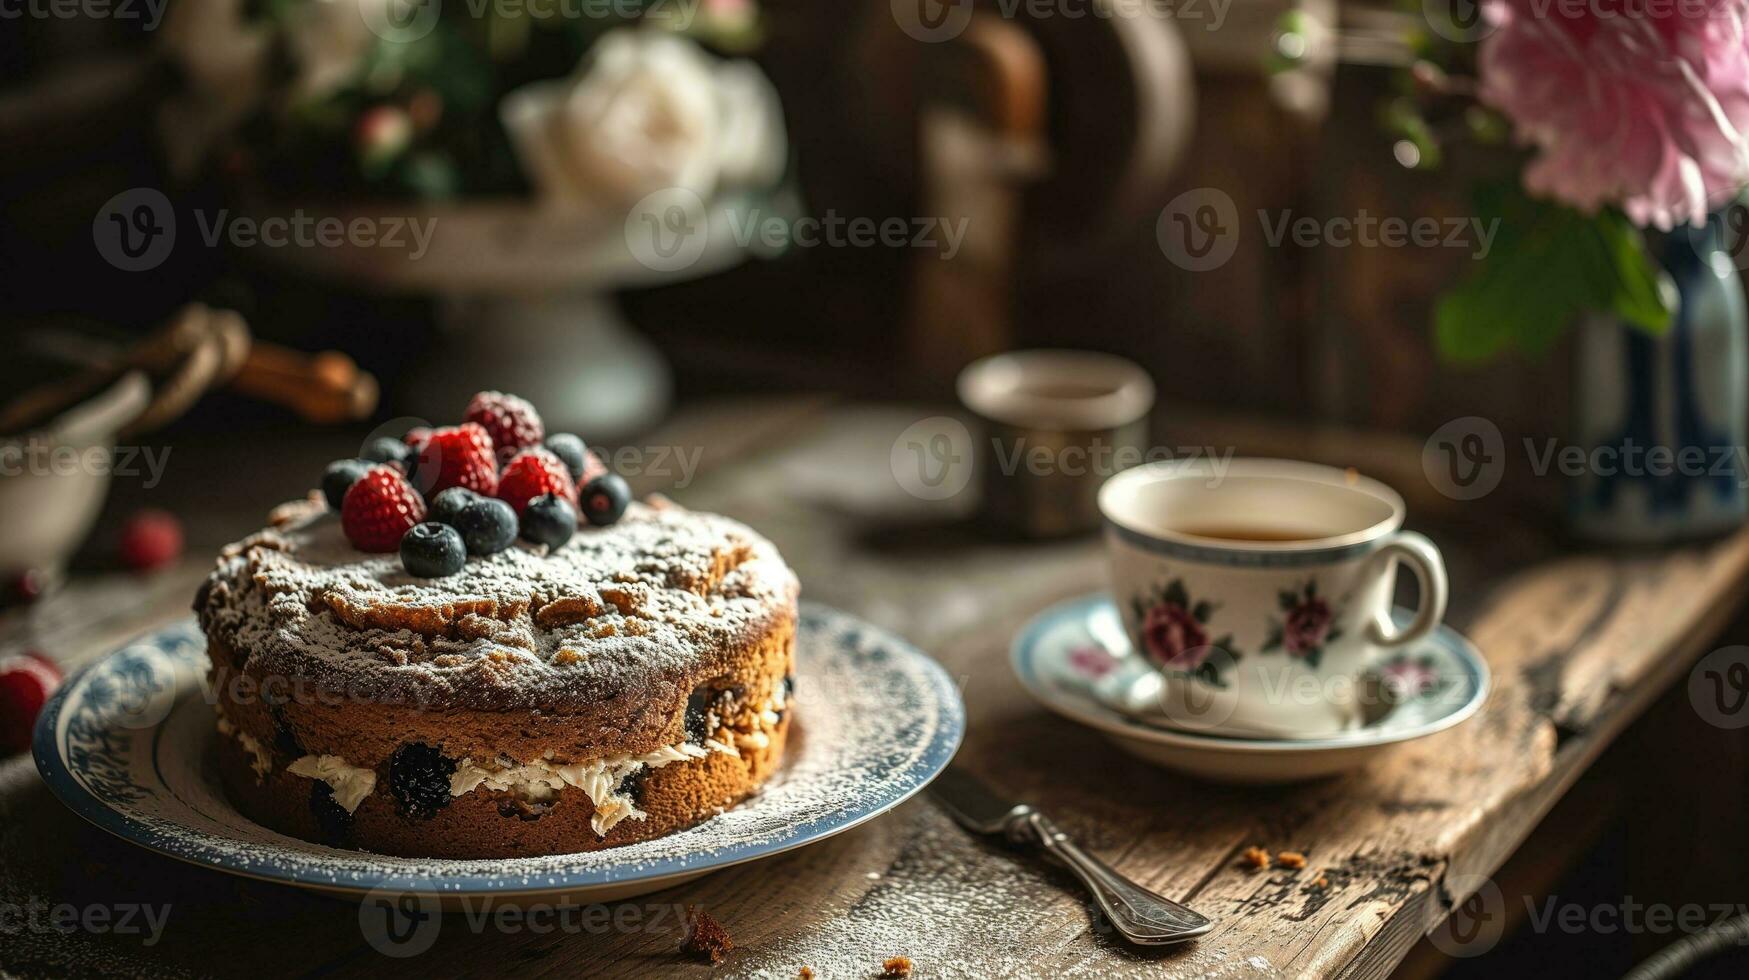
448,505
550,520
604,499
339,478
432,550
383,449
487,525
570,449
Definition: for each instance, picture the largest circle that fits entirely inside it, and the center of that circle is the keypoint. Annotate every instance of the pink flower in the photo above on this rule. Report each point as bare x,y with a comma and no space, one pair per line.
1174,638
1308,624
1641,104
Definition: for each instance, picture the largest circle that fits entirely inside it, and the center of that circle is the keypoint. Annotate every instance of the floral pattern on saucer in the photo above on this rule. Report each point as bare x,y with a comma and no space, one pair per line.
1307,625
1408,676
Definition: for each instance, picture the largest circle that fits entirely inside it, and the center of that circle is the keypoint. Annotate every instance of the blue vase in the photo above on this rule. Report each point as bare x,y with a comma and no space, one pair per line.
1662,419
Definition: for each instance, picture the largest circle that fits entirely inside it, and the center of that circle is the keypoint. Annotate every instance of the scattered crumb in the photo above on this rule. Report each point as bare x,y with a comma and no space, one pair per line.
1290,859
806,974
896,966
1322,883
705,938
1255,858
873,876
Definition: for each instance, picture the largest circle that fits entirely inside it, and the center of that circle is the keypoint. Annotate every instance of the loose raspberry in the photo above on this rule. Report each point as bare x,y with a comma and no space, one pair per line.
25,685
416,437
380,508
511,421
150,539
456,456
531,473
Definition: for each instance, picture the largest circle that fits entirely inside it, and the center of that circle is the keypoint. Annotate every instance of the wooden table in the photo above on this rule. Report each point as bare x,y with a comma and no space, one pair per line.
1580,644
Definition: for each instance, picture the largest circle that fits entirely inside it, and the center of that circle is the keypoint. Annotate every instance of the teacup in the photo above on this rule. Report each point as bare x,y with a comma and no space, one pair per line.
1261,589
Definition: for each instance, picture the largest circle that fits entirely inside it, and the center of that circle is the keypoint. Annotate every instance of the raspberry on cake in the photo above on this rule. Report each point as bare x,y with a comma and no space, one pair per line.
456,456
630,684
531,473
511,421
379,508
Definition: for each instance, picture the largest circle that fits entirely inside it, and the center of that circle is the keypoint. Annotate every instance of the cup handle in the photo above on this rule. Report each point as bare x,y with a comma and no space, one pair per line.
1415,551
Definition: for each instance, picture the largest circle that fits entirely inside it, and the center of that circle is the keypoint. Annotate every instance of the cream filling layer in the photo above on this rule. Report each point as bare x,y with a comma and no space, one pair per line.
537,781
259,758
351,784
600,780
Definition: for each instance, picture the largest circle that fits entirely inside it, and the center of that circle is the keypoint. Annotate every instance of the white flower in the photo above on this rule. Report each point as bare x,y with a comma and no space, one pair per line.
647,110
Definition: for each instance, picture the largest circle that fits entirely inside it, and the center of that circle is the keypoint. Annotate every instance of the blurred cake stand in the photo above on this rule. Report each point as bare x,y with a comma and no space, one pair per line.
524,293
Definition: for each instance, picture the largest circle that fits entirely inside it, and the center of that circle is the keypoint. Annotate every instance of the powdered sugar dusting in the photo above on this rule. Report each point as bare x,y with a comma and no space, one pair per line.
643,601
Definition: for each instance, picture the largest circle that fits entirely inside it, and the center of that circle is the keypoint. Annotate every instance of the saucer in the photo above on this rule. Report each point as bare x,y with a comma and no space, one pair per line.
1075,658
127,744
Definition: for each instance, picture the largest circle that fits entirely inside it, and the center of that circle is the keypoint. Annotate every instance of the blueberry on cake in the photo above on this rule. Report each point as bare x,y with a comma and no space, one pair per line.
476,645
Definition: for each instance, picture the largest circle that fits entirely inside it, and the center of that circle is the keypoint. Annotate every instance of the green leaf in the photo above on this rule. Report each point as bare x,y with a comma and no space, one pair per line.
1225,645
1176,595
1207,673
1547,265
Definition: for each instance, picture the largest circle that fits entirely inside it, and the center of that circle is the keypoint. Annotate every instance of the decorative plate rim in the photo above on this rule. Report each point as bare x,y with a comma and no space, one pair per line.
1022,653
196,846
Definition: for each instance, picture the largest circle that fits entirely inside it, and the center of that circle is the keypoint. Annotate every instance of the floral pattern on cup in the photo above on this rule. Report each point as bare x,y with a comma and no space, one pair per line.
1175,635
1306,627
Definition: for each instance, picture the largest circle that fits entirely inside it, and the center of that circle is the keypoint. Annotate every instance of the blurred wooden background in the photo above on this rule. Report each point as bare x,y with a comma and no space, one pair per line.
1341,334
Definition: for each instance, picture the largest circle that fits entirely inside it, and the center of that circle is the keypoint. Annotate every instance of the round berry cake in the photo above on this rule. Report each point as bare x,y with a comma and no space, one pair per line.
509,683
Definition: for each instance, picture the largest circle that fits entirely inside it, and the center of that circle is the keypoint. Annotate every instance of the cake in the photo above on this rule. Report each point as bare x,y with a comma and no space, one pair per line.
631,682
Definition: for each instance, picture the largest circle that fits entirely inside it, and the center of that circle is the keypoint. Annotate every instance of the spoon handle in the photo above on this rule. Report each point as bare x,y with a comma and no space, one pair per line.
1142,916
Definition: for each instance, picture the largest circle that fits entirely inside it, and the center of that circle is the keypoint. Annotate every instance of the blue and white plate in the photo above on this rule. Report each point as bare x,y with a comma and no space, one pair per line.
127,744
1075,658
